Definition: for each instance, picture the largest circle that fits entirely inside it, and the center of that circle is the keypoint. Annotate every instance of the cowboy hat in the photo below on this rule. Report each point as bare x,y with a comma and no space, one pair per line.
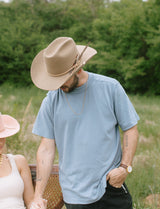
8,126
54,65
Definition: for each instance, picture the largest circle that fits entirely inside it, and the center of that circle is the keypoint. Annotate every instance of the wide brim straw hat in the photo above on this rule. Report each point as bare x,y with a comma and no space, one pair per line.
54,65
8,126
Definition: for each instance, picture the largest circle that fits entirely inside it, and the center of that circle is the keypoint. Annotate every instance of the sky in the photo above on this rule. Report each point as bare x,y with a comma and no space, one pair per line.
7,1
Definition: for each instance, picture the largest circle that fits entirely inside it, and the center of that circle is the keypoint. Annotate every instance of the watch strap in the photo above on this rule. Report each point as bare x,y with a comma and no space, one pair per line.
128,168
123,166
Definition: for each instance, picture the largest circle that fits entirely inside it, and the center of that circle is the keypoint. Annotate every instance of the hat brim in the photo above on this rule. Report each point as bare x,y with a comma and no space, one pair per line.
44,81
11,126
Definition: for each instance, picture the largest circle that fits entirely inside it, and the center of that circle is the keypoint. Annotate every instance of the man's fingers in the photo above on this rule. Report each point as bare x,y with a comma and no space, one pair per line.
107,177
39,205
34,206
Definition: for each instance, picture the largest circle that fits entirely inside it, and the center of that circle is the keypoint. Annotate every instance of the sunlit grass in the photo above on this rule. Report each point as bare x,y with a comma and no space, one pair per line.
145,178
23,104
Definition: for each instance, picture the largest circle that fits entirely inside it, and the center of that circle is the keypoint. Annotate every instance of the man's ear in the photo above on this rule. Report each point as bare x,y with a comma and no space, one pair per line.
79,71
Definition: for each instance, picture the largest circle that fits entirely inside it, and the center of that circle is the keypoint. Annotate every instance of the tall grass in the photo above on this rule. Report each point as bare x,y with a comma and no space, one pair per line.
145,178
23,104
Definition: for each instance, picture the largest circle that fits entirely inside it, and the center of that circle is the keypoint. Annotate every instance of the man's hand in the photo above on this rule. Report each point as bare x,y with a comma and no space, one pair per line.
117,176
39,204
45,157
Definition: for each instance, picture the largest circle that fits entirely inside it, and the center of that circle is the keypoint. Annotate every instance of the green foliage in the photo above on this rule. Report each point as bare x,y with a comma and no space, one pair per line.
126,35
123,41
20,41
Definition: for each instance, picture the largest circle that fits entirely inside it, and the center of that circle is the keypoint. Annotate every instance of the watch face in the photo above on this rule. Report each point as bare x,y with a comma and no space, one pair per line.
129,169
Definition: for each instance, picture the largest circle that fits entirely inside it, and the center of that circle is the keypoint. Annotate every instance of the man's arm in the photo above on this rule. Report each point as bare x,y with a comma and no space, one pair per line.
45,158
117,176
130,139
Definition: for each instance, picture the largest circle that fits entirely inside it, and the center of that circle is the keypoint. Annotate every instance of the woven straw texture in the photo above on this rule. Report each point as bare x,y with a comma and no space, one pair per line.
52,192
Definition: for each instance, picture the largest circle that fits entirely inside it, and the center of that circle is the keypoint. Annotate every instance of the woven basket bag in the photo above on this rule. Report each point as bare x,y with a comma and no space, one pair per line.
52,191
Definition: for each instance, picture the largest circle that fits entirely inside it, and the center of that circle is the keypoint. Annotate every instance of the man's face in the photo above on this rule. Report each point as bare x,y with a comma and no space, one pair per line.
71,84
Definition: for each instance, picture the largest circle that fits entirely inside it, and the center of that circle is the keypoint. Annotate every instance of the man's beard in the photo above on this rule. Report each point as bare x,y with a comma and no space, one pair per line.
73,85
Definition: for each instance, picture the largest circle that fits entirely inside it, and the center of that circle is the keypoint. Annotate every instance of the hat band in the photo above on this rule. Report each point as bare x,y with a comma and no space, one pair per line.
75,65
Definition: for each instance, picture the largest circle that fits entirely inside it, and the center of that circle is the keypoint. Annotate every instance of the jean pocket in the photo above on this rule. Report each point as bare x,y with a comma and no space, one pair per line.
116,191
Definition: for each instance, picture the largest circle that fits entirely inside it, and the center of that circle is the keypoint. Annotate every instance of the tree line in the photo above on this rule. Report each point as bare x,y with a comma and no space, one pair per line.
126,35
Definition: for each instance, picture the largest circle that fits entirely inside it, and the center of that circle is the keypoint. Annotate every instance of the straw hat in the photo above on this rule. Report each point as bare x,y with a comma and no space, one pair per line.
8,126
54,65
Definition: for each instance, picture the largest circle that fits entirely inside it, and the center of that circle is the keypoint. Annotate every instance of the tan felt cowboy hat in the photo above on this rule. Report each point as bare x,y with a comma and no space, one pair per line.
8,126
54,65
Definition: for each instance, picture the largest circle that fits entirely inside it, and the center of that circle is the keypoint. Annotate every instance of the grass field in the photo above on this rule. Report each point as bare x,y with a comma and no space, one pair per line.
23,104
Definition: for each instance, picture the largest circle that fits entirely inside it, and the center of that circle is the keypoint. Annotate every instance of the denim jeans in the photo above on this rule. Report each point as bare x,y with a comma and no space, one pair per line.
114,198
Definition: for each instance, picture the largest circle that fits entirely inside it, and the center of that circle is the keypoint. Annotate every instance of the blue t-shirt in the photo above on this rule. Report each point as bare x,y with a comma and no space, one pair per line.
88,144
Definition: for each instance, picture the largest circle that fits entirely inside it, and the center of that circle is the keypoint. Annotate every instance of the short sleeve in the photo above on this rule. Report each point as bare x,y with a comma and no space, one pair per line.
44,125
125,112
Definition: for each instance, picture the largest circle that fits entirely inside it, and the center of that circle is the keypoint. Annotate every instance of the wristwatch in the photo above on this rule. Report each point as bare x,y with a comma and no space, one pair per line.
127,167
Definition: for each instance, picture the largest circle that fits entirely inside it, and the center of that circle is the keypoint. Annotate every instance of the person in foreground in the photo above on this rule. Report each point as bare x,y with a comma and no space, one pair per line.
81,115
16,189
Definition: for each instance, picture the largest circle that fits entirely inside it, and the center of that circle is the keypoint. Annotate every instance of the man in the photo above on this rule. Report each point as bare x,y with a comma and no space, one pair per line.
81,115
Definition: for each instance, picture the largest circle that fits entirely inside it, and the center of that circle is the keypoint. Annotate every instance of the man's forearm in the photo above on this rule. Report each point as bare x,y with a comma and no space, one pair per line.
45,157
130,139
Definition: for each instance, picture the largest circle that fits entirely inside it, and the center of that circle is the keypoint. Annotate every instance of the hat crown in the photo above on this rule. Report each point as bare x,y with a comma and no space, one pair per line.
8,126
60,56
